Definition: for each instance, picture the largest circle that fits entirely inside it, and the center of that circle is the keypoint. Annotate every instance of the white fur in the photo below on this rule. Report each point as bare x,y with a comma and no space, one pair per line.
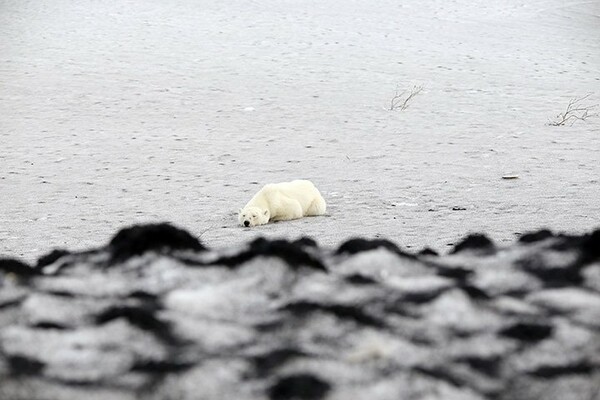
282,202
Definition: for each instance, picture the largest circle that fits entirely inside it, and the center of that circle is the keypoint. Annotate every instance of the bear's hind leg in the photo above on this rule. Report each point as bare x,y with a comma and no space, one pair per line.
288,209
317,207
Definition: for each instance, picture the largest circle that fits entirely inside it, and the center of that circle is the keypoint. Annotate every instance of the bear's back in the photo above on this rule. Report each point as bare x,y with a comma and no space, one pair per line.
293,186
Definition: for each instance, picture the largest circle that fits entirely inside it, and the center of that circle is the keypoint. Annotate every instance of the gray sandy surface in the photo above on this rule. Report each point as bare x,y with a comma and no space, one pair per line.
114,113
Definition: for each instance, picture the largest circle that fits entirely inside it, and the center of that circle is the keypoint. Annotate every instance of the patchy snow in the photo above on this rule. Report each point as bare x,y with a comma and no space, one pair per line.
137,111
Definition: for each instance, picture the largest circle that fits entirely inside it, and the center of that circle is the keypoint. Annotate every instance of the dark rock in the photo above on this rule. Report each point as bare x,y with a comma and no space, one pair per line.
474,292
487,366
301,308
358,245
588,245
146,297
591,247
49,325
16,267
19,365
267,362
160,366
359,279
138,239
538,236
300,387
428,252
142,317
444,373
290,252
474,242
457,272
528,331
51,257
550,372
305,242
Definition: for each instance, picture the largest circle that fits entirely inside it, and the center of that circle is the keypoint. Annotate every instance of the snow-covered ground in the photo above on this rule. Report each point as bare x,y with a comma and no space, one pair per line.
113,113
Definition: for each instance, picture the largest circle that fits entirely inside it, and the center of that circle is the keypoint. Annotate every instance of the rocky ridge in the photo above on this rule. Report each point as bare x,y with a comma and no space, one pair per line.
154,314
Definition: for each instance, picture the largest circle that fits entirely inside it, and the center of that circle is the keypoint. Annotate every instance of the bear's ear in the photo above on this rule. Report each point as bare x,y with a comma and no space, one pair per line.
240,211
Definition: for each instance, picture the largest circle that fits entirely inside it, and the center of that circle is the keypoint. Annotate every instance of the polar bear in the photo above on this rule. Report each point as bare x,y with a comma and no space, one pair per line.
282,201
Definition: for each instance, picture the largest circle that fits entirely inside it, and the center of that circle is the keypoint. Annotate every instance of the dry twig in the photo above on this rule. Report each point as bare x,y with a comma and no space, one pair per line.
401,99
575,112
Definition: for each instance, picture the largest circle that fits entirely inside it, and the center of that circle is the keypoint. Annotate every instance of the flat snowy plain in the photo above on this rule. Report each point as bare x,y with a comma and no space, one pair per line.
114,113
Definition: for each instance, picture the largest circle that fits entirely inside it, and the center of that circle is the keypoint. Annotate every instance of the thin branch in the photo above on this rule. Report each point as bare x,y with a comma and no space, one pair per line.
400,100
575,112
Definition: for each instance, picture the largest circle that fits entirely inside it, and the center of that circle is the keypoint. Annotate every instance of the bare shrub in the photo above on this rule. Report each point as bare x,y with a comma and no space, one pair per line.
402,98
575,111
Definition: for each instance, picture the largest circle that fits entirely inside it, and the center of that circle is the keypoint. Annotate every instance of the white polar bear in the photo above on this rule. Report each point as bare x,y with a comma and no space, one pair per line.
281,202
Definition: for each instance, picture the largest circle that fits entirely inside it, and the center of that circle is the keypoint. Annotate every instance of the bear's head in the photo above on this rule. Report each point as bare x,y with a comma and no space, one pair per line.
252,216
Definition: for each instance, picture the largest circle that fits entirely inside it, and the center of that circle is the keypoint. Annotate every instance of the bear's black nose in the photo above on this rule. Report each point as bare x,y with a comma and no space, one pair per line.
246,223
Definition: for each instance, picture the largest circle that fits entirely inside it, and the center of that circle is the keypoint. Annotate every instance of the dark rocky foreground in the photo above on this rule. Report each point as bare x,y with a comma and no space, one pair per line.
155,315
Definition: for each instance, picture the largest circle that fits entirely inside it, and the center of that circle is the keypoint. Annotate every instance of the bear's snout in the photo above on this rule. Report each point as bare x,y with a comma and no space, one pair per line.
246,223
